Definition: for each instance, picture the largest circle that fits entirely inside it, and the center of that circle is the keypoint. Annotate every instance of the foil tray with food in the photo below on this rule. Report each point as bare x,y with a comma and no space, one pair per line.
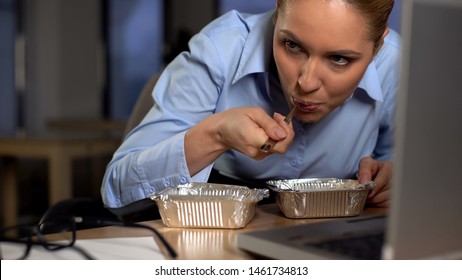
206,205
320,197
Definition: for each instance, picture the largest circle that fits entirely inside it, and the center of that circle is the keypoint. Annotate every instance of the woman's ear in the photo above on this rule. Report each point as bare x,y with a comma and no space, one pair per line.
382,39
385,33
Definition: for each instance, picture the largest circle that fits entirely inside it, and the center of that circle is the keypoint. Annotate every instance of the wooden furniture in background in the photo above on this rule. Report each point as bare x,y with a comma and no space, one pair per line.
59,150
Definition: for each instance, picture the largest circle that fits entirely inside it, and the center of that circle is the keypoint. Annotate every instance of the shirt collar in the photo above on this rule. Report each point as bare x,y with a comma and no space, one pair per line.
258,48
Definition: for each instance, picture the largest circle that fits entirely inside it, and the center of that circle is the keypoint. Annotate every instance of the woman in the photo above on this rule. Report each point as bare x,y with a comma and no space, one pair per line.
335,61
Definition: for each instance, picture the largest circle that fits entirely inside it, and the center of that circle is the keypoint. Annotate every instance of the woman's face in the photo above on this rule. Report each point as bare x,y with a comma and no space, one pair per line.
322,50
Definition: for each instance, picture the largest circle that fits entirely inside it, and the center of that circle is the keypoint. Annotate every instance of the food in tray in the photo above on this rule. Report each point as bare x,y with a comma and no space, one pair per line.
205,205
320,197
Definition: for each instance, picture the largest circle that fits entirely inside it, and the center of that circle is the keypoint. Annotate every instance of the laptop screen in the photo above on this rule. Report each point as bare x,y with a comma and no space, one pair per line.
426,210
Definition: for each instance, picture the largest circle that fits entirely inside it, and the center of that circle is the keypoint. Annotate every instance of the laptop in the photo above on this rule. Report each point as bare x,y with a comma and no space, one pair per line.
424,220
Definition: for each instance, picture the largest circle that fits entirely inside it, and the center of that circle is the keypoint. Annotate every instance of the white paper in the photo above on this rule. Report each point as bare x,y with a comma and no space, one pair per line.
126,248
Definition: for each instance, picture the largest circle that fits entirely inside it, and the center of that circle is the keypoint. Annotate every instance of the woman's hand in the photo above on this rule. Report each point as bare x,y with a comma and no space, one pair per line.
380,172
244,129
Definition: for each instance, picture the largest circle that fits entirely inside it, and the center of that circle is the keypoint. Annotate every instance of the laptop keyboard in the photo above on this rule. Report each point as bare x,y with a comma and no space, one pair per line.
362,247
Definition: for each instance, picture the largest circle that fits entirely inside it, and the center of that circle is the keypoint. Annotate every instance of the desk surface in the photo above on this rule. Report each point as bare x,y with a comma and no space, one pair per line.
218,244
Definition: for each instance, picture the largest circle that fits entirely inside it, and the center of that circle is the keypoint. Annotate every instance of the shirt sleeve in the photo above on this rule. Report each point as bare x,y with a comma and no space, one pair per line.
152,156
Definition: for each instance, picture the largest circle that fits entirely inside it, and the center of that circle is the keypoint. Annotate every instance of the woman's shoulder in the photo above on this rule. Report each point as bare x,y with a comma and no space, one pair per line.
393,39
230,35
233,21
391,46
389,54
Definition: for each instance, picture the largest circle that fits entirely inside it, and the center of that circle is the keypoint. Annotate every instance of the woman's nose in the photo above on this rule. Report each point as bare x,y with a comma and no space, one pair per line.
309,80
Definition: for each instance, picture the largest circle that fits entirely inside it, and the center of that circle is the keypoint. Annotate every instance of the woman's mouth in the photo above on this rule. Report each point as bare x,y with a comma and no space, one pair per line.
306,106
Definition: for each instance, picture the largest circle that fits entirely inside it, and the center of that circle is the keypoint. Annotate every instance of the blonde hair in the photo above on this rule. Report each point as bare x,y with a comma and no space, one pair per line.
375,12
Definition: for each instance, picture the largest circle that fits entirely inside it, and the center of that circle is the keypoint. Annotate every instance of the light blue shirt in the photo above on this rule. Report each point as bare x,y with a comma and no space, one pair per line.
228,65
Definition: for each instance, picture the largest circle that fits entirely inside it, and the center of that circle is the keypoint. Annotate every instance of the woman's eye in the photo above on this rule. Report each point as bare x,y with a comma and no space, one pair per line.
292,46
340,60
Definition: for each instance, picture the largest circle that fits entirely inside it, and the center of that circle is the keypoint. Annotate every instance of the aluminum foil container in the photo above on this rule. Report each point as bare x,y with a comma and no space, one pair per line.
205,205
320,197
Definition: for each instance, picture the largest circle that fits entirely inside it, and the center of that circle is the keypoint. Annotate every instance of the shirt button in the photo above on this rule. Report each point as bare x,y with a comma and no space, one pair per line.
300,131
151,190
167,183
293,163
183,180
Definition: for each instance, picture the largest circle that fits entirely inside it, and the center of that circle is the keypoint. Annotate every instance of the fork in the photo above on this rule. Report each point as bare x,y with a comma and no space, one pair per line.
270,143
